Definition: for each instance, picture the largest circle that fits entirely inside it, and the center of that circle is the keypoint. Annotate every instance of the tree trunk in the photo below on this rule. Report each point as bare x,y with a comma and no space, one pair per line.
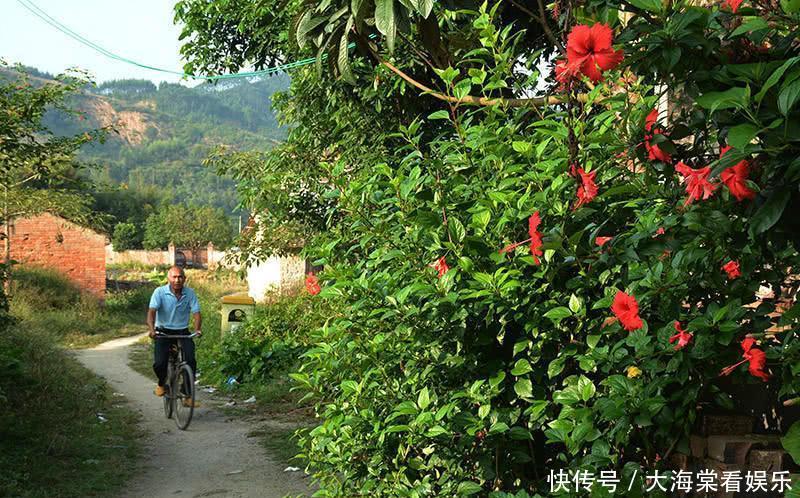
6,243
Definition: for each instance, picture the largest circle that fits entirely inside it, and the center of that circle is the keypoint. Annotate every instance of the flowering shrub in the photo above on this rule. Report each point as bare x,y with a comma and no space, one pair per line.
471,359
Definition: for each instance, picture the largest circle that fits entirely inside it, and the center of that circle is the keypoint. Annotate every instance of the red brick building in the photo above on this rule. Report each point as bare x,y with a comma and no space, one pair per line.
49,241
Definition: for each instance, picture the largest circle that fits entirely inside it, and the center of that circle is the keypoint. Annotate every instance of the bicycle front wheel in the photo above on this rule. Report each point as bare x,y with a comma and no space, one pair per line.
168,401
183,392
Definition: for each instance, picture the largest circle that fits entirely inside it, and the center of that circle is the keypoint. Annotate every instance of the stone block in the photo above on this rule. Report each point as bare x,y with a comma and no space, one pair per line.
716,425
679,461
698,446
769,460
734,449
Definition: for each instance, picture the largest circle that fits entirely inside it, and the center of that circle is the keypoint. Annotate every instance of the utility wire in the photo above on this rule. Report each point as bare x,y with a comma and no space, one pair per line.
44,16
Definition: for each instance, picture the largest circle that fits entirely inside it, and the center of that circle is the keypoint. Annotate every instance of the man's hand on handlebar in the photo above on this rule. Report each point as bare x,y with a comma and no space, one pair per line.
152,333
198,332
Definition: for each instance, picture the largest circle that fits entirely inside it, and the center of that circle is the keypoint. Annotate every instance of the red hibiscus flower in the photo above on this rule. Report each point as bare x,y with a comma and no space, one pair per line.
567,73
654,152
587,190
535,238
682,336
732,269
589,48
732,4
756,357
626,309
735,178
312,284
697,184
440,265
601,241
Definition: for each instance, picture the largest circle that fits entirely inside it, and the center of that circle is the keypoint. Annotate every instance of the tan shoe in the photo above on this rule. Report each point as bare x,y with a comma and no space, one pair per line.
188,402
160,391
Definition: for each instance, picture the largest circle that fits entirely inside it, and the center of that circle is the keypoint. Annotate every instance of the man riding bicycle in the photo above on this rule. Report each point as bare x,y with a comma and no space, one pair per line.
170,307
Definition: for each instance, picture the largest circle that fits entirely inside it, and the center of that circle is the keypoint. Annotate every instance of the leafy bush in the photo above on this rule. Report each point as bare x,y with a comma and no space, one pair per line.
273,339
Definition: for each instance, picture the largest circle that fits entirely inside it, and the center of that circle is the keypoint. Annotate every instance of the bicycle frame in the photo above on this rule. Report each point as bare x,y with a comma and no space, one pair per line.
177,367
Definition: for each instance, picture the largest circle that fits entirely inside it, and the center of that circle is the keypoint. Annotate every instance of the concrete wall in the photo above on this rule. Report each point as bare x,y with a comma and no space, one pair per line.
48,241
145,257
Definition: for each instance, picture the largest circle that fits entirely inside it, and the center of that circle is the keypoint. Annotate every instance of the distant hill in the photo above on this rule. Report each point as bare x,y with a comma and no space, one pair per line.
164,132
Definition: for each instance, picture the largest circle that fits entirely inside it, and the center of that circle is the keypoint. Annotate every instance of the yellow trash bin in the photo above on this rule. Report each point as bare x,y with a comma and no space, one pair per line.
235,308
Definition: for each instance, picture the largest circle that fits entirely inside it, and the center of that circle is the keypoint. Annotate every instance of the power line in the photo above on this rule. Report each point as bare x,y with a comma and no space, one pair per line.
44,16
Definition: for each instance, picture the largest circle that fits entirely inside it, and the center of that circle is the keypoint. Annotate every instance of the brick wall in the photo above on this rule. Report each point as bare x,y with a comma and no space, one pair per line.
48,241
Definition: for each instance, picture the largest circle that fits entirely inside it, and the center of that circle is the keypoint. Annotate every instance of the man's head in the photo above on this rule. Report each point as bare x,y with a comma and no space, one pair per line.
176,278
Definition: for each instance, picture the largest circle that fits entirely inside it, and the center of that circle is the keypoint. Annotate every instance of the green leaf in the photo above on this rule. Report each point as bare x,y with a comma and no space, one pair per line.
498,428
574,303
653,6
788,97
521,147
559,313
456,229
791,442
349,386
397,428
523,388
521,368
592,340
753,24
556,366
604,302
441,114
481,219
343,59
520,433
769,213
425,7
467,488
306,25
774,77
731,98
423,400
586,388
741,135
497,379
385,21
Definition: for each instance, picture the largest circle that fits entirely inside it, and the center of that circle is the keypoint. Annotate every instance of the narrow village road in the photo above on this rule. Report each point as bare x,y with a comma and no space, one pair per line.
213,457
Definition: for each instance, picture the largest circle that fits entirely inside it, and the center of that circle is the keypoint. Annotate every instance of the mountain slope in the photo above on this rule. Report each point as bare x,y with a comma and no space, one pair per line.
163,133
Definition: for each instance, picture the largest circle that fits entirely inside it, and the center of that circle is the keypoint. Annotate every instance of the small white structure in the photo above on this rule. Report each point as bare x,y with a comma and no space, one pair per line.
276,275
234,310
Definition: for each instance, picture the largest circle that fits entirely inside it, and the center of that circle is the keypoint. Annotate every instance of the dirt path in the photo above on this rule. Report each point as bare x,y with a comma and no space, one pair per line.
213,457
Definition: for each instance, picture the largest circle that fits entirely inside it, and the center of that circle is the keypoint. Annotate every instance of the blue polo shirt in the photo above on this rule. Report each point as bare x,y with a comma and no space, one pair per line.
171,312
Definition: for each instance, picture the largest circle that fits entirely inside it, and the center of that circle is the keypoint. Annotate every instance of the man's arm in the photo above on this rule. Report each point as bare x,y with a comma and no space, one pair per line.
155,303
151,322
198,320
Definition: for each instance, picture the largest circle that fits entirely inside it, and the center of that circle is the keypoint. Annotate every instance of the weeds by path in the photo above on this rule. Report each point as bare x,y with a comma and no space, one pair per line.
62,430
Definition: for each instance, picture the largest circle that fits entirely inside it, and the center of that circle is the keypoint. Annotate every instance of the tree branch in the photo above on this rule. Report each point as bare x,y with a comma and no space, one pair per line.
484,101
542,20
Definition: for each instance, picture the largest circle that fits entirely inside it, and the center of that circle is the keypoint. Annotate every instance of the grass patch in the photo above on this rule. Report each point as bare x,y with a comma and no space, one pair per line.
52,439
43,299
280,443
140,358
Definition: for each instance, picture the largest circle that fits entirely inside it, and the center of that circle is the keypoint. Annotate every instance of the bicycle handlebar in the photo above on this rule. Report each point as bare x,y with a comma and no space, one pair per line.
175,336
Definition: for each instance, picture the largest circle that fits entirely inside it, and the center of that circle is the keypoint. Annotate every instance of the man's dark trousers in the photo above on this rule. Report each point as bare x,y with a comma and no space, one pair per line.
161,350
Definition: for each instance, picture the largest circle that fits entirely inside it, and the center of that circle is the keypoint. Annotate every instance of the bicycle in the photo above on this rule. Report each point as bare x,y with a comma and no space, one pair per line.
180,395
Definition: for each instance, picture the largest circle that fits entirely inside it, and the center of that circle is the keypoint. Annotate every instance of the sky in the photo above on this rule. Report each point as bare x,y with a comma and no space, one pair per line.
141,31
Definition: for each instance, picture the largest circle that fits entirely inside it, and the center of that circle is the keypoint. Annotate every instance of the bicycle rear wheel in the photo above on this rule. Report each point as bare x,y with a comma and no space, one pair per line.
183,391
